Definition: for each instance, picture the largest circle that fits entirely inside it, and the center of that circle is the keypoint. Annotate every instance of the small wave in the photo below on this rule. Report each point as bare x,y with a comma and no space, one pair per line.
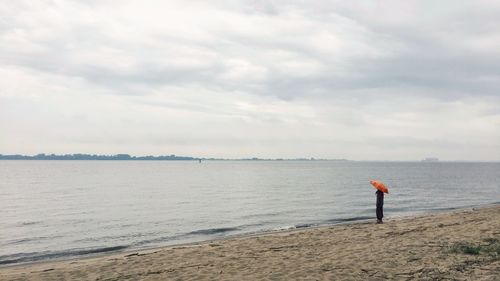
296,226
342,220
395,209
159,240
213,231
304,225
289,227
31,239
37,256
447,208
27,223
195,235
262,215
30,222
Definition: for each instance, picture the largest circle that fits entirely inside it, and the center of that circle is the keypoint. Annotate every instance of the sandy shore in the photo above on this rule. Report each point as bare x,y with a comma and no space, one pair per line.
460,245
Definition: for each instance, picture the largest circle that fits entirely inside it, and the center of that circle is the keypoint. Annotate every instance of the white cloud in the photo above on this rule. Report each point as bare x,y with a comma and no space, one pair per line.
333,79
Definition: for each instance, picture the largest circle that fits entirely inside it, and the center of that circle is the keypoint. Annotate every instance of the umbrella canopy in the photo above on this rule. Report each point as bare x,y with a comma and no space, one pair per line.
380,186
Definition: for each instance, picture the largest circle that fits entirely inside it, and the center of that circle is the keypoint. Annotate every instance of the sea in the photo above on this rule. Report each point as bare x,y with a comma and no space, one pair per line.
52,210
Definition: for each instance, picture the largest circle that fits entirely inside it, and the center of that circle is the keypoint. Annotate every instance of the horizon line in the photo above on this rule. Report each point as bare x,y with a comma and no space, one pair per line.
128,157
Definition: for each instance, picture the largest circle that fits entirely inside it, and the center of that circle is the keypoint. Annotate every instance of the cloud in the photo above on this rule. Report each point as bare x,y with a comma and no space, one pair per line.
241,78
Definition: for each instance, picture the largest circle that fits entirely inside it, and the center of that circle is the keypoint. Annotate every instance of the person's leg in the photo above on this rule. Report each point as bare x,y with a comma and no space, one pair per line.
380,214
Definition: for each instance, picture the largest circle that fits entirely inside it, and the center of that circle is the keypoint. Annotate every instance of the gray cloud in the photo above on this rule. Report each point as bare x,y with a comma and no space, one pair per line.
250,71
377,52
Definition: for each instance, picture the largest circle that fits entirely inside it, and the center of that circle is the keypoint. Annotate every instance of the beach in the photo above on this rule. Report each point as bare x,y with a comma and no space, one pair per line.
458,245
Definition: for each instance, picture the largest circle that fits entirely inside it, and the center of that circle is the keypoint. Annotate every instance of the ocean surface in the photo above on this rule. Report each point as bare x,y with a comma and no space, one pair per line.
65,209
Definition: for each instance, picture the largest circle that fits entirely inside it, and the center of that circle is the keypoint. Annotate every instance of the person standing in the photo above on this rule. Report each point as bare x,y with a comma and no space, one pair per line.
380,206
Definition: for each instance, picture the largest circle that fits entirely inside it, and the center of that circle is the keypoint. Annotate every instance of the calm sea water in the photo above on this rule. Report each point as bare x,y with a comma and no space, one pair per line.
62,209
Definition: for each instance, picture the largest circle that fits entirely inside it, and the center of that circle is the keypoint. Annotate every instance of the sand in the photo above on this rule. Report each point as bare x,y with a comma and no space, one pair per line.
459,245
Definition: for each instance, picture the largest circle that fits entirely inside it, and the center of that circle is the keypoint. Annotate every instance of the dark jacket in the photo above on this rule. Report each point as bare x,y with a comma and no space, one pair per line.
380,198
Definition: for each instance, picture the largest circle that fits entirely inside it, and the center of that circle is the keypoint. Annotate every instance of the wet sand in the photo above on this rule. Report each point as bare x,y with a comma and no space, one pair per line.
458,245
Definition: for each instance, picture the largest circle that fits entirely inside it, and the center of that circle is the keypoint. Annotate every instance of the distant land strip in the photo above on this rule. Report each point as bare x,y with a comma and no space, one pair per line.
79,156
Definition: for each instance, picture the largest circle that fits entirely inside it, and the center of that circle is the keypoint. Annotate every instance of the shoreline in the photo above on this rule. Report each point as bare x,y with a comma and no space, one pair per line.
441,229
347,221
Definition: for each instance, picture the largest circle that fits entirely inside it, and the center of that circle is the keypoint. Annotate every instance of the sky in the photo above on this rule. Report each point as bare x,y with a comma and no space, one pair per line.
361,80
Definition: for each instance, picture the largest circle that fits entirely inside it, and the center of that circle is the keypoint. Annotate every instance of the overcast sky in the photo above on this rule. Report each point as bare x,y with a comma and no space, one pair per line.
363,80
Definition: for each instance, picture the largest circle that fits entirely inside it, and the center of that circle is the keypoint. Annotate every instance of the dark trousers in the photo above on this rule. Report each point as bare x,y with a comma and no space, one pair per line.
380,212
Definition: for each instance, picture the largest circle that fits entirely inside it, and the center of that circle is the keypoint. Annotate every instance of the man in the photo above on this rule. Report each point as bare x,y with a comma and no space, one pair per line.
380,206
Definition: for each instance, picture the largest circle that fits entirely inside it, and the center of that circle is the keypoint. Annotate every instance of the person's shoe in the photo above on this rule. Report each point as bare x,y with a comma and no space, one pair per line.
379,221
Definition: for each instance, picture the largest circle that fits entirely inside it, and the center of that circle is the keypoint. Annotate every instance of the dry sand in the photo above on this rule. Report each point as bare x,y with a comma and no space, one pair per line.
418,248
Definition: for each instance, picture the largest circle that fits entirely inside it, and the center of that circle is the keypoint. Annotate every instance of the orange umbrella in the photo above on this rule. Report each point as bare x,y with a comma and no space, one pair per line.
380,186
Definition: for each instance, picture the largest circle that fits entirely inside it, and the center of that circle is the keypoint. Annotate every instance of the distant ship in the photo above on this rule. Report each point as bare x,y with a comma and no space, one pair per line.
430,159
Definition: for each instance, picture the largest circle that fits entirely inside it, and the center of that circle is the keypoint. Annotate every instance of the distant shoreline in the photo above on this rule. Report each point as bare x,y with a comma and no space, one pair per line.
127,157
173,157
